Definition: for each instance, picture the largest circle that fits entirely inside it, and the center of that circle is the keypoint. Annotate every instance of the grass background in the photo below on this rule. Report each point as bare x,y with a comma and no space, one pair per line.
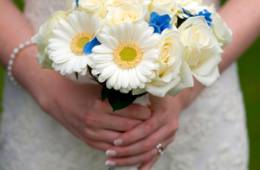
249,70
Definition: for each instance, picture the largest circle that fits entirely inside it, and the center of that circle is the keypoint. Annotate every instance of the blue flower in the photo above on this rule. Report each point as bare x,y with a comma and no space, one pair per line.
159,22
207,15
90,45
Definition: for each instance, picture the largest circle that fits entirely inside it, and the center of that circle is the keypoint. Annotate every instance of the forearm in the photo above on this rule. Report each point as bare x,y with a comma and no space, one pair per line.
15,29
243,17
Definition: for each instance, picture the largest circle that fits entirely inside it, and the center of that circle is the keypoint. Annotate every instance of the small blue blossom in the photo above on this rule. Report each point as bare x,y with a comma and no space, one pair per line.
207,15
90,45
159,22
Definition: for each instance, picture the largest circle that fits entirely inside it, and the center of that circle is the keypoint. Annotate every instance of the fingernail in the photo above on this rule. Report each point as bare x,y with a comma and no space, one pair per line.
118,142
110,163
110,153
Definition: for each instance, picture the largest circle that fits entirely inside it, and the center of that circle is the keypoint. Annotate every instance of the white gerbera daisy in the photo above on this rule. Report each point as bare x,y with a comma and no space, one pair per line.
126,58
72,41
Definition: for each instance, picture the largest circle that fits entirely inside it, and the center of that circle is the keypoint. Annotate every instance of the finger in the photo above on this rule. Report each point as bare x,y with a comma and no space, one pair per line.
92,143
110,122
135,111
138,159
102,146
74,131
103,105
135,160
140,132
101,135
145,145
148,165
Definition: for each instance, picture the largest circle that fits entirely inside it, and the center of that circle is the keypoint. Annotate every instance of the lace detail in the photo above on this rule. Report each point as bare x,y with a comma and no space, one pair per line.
212,133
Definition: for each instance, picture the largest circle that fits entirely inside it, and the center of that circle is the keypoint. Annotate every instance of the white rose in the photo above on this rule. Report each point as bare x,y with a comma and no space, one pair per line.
202,50
119,2
169,74
192,6
97,7
122,11
43,36
189,3
221,30
163,6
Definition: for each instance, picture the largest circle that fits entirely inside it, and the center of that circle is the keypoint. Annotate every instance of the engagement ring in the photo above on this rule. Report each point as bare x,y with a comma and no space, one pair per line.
160,149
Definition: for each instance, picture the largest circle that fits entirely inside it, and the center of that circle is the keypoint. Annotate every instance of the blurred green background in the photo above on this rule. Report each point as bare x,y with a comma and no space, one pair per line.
249,70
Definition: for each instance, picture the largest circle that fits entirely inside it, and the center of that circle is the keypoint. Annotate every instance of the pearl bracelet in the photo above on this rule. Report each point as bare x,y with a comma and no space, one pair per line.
13,57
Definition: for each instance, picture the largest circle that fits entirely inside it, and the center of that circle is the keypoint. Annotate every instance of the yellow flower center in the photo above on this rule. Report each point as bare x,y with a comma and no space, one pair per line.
128,55
79,41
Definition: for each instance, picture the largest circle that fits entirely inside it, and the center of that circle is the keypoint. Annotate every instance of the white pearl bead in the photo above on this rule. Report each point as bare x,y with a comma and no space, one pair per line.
12,56
21,46
27,43
16,50
9,68
11,62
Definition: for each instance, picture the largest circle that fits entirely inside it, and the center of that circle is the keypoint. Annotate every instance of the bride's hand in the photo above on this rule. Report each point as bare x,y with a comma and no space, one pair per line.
80,110
77,107
138,146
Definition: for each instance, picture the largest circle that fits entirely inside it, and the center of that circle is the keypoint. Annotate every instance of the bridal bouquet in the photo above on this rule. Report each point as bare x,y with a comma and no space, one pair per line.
134,47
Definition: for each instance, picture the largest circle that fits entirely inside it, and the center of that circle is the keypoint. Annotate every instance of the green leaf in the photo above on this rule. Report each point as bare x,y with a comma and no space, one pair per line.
180,21
77,75
104,93
118,100
121,101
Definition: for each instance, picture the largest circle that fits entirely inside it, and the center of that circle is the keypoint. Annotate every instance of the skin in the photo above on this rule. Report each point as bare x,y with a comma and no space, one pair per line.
79,109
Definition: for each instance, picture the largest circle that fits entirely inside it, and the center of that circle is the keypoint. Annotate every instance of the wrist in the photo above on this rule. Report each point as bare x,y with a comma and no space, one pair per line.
25,65
28,72
187,96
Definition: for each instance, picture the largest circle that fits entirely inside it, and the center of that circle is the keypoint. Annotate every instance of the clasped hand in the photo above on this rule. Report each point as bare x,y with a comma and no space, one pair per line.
137,146
129,136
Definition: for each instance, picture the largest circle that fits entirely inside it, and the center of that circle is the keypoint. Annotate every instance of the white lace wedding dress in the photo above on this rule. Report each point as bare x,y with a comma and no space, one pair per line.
212,133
